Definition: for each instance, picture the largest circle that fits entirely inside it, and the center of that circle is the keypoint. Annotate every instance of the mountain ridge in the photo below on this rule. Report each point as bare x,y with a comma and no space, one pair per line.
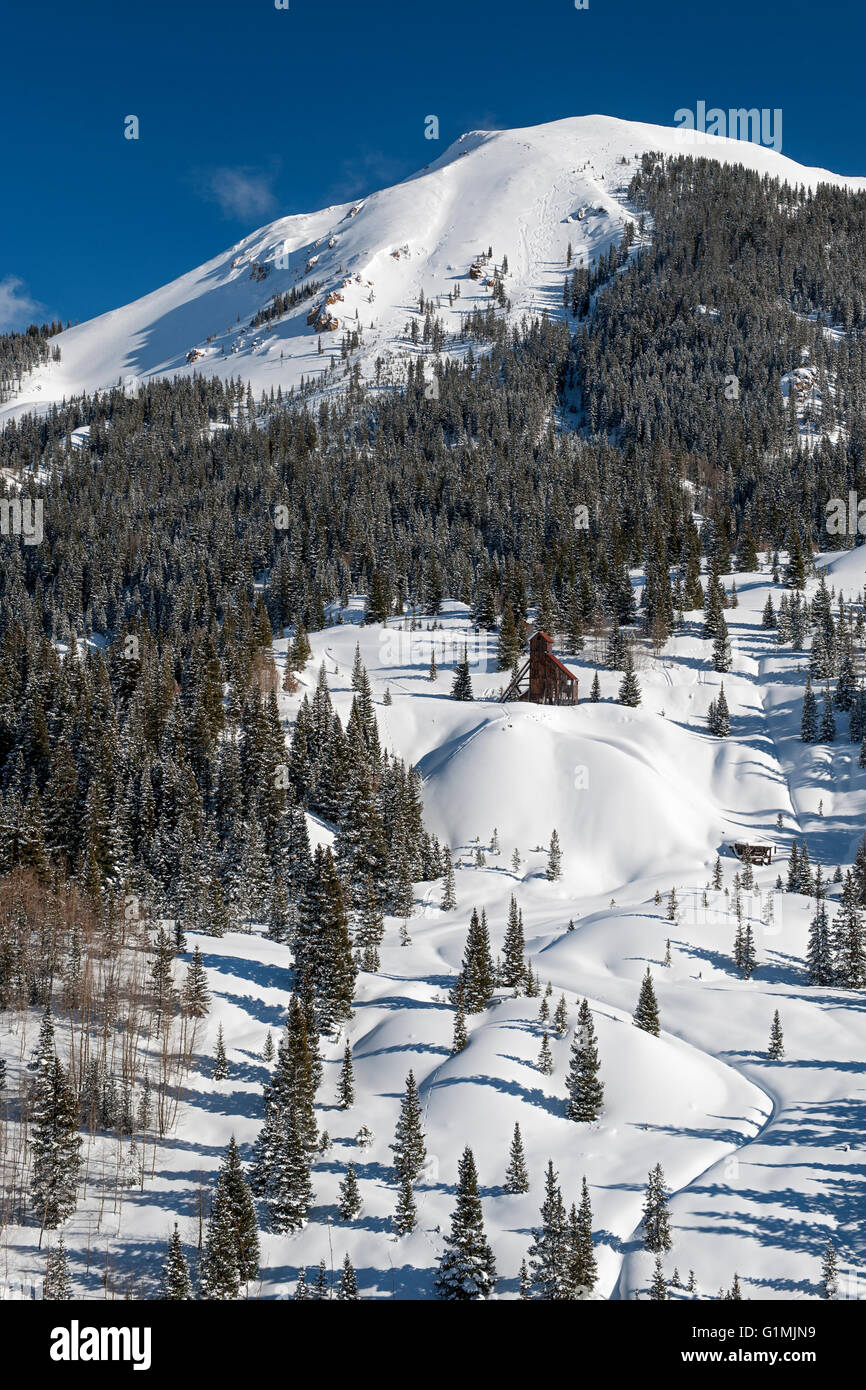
525,193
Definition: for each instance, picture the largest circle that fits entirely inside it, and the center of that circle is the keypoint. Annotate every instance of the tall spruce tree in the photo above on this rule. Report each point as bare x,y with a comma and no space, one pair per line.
176,1282
655,1223
467,1270
585,1088
646,1014
516,1175
409,1149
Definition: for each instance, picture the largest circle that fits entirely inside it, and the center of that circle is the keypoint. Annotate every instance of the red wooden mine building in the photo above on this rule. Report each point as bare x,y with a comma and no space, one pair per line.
543,679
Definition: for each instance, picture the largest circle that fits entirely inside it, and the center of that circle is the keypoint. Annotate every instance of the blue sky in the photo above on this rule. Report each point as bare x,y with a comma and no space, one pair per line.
248,112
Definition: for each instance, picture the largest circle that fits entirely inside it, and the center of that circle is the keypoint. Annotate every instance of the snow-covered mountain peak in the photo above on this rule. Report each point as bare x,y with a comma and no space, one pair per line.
263,309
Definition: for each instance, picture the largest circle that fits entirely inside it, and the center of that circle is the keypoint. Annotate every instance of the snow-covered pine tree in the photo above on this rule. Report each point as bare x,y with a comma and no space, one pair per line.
349,1201
220,1060
585,1088
646,1014
849,942
629,689
409,1149
176,1283
560,1017
656,1220
347,1286
513,949
478,973
548,1256
776,1049
467,1269
516,1175
370,928
830,1272
658,1288
346,1083
405,1212
231,1251
289,1193
583,1268
460,1037
57,1285
449,886
55,1146
461,686
595,690
722,646
809,717
196,995
554,859
545,1057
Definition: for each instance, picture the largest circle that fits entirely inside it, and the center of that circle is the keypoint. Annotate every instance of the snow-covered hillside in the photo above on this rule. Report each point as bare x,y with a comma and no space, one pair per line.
765,1158
525,194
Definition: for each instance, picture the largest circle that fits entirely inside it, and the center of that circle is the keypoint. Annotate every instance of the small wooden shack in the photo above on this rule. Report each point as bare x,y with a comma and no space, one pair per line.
754,854
543,680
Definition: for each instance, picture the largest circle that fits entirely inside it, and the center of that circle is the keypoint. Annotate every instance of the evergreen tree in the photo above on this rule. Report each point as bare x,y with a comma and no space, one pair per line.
560,1017
545,1057
849,941
406,1212
346,1083
830,1272
220,1060
646,1014
176,1283
196,995
595,689
289,1192
57,1286
460,1037
722,646
550,1249
509,646
583,1268
554,859
55,1146
658,1287
513,948
466,1269
461,686
585,1088
347,1288
809,719
776,1049
349,1203
409,1148
449,887
478,975
231,1251
656,1221
516,1175
629,689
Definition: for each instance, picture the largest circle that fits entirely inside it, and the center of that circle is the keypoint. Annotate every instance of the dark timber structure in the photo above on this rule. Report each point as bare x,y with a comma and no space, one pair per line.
543,679
754,854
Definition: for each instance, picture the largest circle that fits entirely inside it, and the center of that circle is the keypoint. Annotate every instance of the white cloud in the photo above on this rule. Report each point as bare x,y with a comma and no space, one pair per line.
240,192
17,309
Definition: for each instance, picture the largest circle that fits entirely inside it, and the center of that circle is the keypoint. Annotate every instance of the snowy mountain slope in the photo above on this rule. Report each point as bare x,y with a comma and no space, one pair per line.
765,1158
518,192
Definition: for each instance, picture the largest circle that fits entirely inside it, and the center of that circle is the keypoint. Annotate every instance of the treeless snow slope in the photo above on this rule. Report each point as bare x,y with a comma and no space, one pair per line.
517,191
